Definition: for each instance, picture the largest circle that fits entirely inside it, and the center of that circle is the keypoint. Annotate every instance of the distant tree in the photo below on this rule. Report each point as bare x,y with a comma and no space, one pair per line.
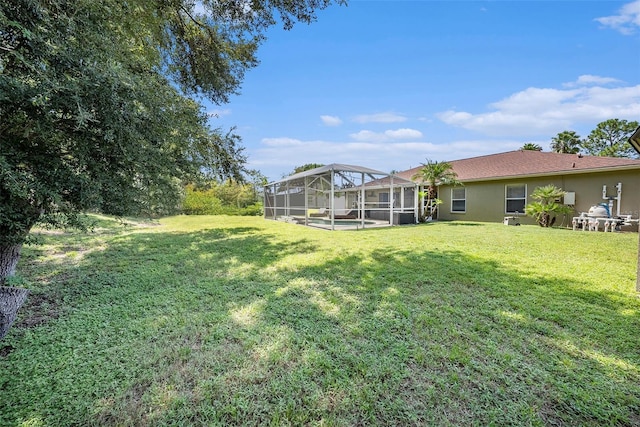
433,174
530,146
215,198
611,138
567,142
258,181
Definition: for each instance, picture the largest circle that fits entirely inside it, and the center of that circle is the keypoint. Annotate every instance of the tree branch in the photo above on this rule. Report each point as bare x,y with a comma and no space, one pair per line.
195,21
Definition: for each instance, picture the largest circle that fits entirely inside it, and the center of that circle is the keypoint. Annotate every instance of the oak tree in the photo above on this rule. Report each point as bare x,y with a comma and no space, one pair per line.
99,103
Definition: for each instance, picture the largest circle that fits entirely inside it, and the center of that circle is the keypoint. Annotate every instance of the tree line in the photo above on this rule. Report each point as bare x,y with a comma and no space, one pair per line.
610,138
228,197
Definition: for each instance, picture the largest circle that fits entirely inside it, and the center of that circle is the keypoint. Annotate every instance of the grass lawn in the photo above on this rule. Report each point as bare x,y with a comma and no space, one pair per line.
236,320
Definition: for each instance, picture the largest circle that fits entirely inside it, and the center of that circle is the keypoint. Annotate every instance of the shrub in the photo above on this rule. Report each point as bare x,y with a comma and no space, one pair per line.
200,202
217,201
546,206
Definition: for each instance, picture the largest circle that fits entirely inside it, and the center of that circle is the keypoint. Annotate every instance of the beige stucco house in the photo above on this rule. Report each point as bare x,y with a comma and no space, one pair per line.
500,185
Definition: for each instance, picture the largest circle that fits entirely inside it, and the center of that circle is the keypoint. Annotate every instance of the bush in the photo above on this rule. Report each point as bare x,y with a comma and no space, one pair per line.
208,202
254,210
545,208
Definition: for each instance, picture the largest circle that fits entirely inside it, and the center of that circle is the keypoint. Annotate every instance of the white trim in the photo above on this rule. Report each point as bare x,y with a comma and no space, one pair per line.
515,198
452,199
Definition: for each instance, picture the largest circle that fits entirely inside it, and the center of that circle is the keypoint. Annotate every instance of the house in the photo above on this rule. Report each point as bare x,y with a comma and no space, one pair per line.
500,185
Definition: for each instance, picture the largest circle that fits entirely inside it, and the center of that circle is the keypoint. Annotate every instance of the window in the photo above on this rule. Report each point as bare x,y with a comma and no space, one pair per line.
515,198
383,200
458,200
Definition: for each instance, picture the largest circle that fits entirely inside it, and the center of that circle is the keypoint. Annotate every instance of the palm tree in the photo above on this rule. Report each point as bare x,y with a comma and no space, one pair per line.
434,174
567,142
545,208
531,147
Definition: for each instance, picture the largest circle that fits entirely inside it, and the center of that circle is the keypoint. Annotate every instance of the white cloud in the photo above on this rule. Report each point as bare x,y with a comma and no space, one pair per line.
273,161
536,111
531,115
217,113
368,136
388,135
627,21
380,118
331,120
281,142
589,79
404,133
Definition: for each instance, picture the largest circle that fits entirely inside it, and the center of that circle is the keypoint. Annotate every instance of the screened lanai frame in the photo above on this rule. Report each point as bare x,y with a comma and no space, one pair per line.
331,196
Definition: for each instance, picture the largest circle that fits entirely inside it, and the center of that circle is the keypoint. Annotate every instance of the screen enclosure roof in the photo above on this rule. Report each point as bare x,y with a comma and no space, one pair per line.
337,167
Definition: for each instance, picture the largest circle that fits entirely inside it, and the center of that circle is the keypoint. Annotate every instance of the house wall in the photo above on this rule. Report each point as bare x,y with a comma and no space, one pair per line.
485,201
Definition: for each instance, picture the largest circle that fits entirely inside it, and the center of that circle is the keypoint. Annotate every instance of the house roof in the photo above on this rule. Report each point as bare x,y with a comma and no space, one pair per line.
528,163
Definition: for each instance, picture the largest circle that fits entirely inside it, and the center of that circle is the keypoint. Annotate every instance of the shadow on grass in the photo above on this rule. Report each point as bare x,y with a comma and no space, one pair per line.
228,326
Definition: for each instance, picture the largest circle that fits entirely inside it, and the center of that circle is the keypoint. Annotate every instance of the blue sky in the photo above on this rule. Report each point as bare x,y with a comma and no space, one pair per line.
389,84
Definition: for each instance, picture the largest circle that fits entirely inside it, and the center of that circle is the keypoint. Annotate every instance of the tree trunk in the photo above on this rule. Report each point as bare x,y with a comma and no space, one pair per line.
11,299
9,256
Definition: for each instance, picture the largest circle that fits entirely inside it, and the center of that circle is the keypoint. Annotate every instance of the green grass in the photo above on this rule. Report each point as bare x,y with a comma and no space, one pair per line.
236,320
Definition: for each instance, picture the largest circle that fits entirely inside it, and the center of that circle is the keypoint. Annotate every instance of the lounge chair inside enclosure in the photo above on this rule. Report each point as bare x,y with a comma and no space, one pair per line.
317,212
348,215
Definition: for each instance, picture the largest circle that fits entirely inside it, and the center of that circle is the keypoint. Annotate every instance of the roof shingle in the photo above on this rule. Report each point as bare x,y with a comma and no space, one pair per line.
523,163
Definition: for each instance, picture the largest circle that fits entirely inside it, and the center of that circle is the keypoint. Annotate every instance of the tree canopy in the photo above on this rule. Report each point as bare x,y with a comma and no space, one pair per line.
434,173
567,142
610,138
98,102
531,147
306,167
